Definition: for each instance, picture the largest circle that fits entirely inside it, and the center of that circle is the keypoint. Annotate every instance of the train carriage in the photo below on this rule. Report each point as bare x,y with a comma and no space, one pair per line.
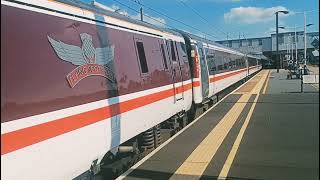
215,67
254,64
78,82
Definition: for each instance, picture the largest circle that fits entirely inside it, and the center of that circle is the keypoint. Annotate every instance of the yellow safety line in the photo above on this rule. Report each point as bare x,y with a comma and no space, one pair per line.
265,87
227,165
258,87
200,158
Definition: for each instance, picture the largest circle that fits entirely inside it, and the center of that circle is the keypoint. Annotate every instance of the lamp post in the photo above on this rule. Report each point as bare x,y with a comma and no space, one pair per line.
295,42
305,40
277,45
292,52
295,39
305,33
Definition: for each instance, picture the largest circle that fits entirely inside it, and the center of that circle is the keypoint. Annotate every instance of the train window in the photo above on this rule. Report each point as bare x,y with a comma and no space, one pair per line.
230,64
175,45
173,54
142,57
200,52
233,63
219,61
164,57
211,60
239,62
226,64
243,62
183,47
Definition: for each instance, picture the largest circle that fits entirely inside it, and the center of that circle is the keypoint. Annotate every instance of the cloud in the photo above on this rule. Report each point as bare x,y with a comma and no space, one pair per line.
252,15
147,18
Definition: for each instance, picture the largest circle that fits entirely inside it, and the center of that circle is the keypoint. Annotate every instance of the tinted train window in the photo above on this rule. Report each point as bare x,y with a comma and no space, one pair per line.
200,52
233,64
175,45
183,51
173,54
164,57
220,63
183,47
219,60
142,57
230,64
210,60
226,64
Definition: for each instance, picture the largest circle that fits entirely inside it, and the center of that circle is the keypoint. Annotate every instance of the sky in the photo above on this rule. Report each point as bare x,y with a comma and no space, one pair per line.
222,19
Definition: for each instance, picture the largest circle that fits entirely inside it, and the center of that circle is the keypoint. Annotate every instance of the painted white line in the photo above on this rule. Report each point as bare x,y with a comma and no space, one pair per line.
227,165
181,131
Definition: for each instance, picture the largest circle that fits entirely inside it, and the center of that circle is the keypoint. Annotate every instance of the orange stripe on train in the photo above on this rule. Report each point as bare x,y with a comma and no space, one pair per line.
27,136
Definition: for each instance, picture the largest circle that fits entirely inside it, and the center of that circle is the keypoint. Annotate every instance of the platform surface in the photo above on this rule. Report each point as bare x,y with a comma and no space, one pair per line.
265,130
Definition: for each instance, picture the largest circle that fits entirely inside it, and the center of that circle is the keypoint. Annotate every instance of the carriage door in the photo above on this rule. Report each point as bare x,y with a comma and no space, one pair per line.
204,72
176,70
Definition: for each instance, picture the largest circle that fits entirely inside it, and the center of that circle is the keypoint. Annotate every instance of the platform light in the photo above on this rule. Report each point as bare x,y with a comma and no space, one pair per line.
277,45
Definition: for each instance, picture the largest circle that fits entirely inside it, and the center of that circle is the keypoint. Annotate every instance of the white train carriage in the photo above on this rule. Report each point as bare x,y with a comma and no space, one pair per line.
215,67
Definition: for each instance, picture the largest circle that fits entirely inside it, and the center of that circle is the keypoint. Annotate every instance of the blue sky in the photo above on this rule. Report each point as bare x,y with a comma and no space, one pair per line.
222,18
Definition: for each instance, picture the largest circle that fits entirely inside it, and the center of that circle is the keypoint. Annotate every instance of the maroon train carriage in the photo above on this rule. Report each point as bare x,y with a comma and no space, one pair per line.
80,84
78,81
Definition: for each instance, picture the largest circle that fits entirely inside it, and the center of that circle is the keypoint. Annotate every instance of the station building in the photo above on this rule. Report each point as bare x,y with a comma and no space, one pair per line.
265,47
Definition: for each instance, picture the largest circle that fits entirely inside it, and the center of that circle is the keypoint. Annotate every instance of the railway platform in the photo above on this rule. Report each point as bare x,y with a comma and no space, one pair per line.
264,130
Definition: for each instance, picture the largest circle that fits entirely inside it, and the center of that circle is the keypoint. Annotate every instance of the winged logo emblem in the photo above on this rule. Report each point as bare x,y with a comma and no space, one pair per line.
90,60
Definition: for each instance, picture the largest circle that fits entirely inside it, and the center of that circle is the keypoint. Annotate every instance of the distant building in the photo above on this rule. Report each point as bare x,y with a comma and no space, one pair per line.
266,46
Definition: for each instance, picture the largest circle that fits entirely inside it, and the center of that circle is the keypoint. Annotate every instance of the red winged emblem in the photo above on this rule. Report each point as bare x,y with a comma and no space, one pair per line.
90,61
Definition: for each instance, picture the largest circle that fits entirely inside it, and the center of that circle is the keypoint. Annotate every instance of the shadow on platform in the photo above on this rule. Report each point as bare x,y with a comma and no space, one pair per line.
149,174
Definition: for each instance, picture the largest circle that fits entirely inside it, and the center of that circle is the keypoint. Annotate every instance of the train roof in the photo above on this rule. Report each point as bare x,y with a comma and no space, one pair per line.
78,8
217,46
113,14
89,13
210,43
